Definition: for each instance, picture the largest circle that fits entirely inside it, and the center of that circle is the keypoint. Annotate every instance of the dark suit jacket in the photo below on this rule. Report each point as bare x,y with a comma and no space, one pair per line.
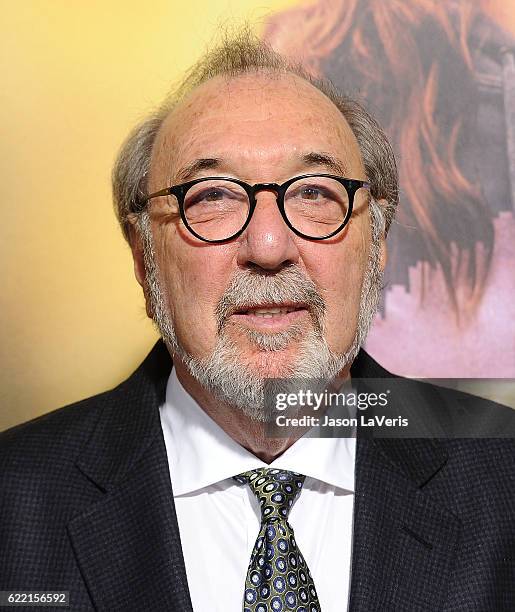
87,506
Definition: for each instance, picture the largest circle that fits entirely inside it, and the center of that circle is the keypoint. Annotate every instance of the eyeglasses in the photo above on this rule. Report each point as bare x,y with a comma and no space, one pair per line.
218,209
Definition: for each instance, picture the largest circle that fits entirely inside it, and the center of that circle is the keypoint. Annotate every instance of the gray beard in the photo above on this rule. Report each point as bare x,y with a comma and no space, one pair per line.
222,373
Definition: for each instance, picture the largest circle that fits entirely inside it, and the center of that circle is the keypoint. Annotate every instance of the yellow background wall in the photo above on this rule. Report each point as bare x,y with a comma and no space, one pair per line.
76,76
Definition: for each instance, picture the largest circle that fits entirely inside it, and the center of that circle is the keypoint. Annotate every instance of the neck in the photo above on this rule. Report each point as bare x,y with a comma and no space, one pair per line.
254,436
251,434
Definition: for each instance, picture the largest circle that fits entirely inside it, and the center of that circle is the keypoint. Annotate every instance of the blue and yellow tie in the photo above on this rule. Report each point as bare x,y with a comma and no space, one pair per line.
278,578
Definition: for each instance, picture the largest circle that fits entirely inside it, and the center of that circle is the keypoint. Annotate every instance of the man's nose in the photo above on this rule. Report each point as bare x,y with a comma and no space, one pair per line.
267,241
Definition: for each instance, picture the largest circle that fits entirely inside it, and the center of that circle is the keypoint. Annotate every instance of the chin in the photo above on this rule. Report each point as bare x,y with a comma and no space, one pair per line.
269,367
271,364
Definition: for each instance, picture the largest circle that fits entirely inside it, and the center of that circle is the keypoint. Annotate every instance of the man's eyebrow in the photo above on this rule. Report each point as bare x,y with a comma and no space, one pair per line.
311,159
194,167
316,158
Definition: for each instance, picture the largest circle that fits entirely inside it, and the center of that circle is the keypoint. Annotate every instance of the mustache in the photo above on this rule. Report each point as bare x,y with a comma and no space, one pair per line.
250,288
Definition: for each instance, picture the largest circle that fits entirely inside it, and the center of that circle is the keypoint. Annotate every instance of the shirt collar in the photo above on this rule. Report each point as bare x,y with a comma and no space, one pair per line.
201,453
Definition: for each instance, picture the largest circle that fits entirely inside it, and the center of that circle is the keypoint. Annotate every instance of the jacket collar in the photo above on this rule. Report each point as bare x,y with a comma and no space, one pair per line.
130,422
419,459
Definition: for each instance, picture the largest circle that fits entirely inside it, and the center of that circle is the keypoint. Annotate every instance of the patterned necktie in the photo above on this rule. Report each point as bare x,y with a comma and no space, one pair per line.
278,578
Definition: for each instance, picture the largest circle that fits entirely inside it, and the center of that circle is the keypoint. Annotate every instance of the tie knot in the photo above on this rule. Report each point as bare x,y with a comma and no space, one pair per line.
276,490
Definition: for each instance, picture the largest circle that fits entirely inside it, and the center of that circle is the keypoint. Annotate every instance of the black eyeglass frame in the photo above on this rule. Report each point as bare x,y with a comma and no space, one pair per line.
179,191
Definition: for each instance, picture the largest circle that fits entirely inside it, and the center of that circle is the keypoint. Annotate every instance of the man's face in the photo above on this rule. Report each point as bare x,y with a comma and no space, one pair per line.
259,128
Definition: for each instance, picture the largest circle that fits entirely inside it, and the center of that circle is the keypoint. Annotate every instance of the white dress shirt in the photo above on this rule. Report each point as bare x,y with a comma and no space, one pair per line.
219,519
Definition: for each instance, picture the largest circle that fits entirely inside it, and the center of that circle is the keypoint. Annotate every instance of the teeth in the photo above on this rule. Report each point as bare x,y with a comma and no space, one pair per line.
269,312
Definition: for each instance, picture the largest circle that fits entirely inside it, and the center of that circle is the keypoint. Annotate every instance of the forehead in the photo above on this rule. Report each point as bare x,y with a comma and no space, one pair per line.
269,119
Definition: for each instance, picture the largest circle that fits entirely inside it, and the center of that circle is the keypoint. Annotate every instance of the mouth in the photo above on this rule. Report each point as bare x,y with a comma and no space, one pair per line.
272,317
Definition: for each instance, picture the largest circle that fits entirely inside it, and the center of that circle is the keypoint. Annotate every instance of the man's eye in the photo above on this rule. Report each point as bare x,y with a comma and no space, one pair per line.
310,193
213,194
208,195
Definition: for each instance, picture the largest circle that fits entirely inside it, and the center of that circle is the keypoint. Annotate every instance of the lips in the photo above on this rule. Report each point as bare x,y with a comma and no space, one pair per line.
273,317
269,310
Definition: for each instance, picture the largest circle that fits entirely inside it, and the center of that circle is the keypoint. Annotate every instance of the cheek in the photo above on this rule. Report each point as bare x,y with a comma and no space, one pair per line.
339,275
194,278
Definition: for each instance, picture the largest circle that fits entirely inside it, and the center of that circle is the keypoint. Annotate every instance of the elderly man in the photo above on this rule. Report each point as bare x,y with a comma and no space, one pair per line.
256,202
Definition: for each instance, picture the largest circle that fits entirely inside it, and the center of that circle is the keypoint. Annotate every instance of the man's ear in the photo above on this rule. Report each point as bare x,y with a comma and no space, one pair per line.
383,256
136,244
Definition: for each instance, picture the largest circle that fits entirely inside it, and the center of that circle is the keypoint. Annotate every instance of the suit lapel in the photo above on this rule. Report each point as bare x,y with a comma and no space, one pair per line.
404,541
127,544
